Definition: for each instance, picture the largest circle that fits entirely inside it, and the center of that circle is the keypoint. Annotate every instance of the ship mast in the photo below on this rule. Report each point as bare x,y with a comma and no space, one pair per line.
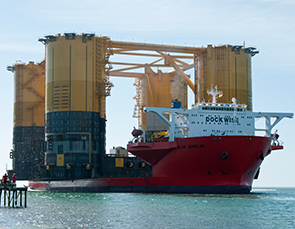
215,93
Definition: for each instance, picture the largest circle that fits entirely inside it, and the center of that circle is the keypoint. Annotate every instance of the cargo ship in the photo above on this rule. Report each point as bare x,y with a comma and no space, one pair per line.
211,148
59,135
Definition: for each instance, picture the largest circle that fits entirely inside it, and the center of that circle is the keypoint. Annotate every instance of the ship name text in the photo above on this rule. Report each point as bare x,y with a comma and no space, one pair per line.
191,146
220,119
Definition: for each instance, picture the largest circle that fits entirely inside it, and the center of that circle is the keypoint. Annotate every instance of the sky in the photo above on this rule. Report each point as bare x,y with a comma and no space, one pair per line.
268,25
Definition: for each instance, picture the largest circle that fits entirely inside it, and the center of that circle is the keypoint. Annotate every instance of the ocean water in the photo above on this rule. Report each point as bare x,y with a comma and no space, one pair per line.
263,208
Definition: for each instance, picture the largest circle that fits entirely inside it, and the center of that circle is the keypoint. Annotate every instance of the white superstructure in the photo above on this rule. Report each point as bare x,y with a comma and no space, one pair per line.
215,119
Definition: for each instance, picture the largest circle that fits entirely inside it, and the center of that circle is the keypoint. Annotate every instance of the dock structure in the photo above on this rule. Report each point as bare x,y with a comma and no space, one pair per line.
12,196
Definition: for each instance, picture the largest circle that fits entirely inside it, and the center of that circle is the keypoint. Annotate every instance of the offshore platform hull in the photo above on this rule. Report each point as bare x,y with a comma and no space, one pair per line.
213,164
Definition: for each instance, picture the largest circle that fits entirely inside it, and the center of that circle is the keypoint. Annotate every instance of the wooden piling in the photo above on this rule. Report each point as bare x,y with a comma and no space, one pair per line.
13,196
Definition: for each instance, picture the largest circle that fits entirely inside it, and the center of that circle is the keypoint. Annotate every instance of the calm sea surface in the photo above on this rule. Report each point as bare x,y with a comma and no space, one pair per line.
263,208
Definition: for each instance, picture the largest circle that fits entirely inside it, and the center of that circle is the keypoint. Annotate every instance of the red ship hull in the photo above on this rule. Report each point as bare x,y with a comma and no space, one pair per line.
225,161
215,164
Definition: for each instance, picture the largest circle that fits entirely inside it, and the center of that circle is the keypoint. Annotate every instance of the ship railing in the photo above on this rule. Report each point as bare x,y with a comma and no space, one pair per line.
220,105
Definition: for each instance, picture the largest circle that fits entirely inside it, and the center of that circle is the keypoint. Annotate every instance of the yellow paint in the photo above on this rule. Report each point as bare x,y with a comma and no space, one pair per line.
60,160
229,70
29,104
158,90
76,74
119,162
181,73
159,134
